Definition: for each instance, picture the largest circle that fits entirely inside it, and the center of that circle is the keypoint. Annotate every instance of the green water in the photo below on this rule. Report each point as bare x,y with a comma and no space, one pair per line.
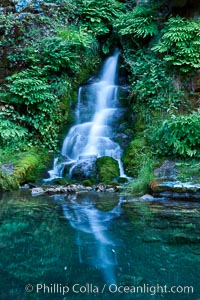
88,246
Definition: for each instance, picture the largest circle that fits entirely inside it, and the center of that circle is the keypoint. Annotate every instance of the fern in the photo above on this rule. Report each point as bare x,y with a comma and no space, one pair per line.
139,23
99,16
79,37
29,87
179,135
11,133
180,43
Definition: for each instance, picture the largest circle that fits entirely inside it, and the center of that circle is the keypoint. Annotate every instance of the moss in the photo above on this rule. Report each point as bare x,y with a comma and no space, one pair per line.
8,182
107,169
28,167
133,156
88,182
122,180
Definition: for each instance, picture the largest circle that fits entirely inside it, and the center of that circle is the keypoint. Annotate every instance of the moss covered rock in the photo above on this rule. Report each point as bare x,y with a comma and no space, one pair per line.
107,169
27,167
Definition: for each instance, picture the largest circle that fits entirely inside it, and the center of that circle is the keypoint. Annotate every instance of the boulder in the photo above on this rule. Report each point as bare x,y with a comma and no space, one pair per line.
107,169
167,170
37,191
147,197
84,169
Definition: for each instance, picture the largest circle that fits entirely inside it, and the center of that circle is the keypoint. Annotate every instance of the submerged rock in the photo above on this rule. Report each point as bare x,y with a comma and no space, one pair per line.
183,238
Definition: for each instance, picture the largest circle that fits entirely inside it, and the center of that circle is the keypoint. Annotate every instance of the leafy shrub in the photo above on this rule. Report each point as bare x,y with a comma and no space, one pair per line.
29,87
179,135
152,87
98,16
180,43
10,133
57,53
138,23
37,108
79,37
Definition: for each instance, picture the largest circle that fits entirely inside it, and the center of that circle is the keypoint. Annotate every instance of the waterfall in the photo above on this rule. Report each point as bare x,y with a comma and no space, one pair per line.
91,136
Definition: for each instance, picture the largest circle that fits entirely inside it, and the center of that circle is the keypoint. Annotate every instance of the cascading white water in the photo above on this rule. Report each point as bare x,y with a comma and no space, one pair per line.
92,136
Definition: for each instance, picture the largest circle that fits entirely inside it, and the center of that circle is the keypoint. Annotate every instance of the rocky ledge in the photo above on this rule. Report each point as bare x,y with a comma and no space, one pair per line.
73,188
175,190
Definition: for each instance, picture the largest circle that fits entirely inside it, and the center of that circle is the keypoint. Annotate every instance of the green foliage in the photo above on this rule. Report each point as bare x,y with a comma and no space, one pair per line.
180,43
133,156
178,135
140,185
98,16
189,170
11,133
8,28
141,22
79,37
37,108
152,87
57,53
88,182
29,87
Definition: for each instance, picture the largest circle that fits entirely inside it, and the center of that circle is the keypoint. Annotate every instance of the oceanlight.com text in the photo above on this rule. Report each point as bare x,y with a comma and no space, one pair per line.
89,288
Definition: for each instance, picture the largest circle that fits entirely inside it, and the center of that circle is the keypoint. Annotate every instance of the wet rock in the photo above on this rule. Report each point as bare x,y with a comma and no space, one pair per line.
2,10
167,170
37,191
84,169
33,5
107,188
69,189
147,197
101,188
175,189
110,190
61,189
25,186
74,189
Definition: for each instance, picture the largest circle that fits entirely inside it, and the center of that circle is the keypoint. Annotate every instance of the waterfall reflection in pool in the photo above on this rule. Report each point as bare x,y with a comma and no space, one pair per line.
97,239
85,218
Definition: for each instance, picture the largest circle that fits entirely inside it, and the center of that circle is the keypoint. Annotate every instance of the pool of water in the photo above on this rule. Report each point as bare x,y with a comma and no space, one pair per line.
98,246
